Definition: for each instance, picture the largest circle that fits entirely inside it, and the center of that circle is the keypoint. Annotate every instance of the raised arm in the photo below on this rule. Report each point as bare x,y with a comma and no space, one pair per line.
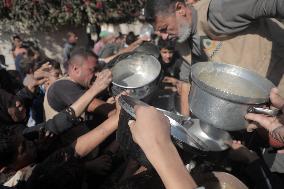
89,141
231,16
154,139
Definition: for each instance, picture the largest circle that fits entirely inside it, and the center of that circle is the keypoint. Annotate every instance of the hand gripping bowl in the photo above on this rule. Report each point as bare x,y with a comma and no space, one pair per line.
222,94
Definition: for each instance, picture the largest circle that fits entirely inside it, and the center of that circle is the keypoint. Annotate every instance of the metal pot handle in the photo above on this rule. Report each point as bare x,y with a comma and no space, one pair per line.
265,111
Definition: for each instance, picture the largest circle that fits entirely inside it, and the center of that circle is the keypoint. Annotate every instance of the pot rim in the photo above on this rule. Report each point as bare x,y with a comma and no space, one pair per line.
225,95
141,86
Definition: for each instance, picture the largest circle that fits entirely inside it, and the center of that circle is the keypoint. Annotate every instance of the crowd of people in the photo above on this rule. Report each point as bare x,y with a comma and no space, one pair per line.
58,120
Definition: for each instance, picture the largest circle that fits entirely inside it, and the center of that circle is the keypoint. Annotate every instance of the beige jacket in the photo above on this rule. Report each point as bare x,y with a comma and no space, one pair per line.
259,48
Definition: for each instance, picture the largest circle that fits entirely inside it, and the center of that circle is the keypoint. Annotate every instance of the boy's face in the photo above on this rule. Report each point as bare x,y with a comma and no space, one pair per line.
166,55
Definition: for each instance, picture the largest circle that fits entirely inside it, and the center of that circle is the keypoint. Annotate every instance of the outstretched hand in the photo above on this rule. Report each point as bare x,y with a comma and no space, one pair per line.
31,83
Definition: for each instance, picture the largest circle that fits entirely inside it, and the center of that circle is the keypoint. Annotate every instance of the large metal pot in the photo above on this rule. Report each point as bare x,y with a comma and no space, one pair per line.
221,94
138,73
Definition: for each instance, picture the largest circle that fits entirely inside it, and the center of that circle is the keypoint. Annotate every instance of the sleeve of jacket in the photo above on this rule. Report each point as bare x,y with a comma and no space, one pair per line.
232,16
60,123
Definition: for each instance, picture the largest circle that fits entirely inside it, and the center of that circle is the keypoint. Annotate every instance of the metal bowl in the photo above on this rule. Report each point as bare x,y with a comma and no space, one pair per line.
222,94
231,82
135,71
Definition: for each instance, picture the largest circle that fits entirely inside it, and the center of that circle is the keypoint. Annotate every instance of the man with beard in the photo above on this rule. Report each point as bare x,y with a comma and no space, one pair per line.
234,32
241,33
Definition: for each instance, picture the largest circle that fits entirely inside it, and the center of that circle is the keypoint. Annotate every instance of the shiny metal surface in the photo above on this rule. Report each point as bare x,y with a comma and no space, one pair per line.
148,48
214,139
218,180
265,111
238,74
224,110
136,71
191,132
128,103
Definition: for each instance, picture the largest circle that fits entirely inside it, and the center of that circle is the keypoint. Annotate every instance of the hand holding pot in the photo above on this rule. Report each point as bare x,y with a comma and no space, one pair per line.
103,80
274,125
150,129
269,123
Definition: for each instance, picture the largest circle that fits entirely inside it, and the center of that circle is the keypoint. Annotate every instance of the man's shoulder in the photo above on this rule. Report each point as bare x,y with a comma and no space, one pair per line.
63,86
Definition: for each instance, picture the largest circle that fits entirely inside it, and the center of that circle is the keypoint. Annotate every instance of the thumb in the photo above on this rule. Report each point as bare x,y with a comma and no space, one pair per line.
131,124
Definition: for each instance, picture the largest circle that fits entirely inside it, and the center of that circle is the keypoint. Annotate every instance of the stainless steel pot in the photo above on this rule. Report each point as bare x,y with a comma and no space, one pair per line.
221,94
138,73
187,133
214,139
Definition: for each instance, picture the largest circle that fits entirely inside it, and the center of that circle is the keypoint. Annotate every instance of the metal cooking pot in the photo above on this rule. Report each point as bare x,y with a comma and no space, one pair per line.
148,48
222,94
138,72
197,134
214,139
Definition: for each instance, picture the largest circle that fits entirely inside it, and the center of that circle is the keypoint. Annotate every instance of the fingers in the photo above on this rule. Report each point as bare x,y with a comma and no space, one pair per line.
235,145
45,66
173,89
251,127
131,124
170,80
276,100
105,76
270,123
41,81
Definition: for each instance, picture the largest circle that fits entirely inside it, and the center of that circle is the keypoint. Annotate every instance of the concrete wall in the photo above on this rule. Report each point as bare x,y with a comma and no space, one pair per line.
52,42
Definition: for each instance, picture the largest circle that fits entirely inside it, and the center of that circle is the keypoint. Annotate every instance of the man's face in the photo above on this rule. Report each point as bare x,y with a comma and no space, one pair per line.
17,42
86,72
166,55
17,112
73,39
176,26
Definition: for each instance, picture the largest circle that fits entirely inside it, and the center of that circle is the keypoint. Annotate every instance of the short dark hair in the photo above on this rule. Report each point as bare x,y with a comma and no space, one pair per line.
130,38
155,7
69,34
53,63
166,44
80,53
17,37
